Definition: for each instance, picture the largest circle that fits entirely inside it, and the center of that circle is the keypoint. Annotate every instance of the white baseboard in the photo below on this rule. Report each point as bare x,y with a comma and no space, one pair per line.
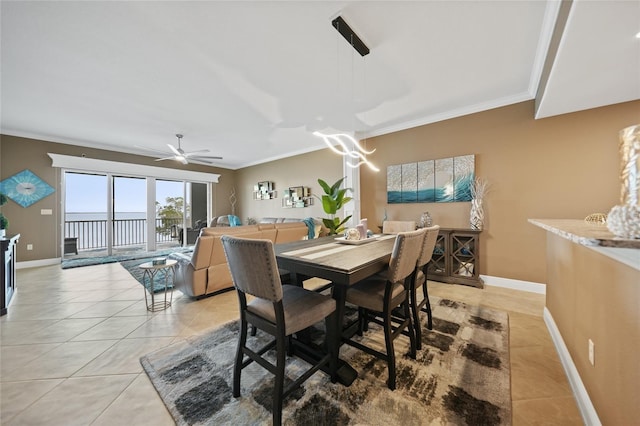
39,262
587,410
514,284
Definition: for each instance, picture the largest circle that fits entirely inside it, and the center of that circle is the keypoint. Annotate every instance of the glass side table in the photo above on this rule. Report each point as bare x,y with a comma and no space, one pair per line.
150,272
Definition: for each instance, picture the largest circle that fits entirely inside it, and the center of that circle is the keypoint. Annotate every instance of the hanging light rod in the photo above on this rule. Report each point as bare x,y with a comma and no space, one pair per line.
349,35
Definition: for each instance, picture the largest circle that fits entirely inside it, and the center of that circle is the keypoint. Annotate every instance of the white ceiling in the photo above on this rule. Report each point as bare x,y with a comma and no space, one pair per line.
250,81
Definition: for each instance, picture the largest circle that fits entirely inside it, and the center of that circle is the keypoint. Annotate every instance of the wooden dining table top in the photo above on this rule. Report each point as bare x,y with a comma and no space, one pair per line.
339,262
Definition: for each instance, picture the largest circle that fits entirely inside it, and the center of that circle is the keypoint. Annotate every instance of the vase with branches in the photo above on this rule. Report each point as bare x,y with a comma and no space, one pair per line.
479,190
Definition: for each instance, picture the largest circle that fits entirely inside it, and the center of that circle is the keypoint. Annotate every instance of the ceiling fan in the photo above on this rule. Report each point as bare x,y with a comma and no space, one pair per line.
180,155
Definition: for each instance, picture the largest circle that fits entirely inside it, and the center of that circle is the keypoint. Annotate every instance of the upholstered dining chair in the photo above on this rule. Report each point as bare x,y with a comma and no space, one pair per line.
278,310
420,279
395,226
381,295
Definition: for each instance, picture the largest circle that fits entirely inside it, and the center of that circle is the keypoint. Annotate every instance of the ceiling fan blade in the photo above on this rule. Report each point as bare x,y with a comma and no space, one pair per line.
191,153
166,158
174,149
204,157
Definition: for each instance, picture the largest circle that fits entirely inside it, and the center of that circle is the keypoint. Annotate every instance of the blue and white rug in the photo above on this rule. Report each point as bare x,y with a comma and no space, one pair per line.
99,260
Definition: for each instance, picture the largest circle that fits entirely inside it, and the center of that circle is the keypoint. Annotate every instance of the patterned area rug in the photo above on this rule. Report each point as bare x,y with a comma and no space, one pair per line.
461,376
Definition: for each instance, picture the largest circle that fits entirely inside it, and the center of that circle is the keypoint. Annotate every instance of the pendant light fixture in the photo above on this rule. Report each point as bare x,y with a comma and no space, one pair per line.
358,153
340,142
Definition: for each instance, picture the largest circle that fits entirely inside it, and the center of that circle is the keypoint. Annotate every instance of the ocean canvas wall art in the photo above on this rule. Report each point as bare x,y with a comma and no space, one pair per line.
431,181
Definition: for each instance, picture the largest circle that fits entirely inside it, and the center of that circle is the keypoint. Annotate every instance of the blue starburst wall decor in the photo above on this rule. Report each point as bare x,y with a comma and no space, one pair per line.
25,188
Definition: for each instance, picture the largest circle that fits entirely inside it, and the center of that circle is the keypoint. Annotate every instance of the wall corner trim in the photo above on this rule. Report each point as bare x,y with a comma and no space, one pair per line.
587,410
36,263
529,286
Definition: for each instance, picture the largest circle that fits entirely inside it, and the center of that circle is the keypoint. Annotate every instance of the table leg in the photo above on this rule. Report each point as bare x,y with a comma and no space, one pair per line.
346,373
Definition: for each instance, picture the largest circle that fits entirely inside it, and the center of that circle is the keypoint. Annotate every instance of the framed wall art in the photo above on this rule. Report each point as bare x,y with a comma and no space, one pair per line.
432,181
25,188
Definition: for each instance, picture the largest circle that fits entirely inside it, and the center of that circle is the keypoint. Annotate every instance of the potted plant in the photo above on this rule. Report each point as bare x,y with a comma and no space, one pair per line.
4,222
333,199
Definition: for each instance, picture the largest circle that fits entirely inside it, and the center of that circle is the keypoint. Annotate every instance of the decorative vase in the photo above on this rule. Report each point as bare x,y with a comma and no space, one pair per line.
2,233
425,220
476,216
624,220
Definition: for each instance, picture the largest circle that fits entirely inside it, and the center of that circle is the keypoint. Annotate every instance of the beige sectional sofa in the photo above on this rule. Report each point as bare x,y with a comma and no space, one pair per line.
205,271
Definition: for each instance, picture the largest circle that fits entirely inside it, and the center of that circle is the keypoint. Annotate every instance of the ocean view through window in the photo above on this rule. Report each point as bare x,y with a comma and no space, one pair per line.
105,213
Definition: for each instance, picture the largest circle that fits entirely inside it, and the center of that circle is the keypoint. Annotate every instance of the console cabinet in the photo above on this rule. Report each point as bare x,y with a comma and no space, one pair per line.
8,270
456,257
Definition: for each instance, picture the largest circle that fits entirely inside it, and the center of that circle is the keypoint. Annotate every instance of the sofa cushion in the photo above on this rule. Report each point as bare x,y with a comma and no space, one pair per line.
268,220
288,232
229,230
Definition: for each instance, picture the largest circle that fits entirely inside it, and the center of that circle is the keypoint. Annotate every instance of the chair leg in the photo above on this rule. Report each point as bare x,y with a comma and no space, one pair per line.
391,355
416,317
254,329
427,306
237,369
278,386
410,330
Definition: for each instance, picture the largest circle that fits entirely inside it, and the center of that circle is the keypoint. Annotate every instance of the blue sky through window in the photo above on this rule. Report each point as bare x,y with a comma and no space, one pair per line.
86,193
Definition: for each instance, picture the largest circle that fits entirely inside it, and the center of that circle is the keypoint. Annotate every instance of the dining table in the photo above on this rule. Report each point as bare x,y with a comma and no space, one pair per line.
343,263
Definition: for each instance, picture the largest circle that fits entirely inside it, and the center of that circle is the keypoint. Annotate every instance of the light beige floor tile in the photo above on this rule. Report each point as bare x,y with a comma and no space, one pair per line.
536,372
76,401
99,295
123,357
45,312
136,294
112,328
55,331
103,309
528,330
25,297
16,396
7,326
13,357
62,361
561,411
162,325
139,404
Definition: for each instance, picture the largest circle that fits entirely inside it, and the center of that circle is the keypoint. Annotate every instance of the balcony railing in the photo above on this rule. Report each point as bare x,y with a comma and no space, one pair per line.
92,234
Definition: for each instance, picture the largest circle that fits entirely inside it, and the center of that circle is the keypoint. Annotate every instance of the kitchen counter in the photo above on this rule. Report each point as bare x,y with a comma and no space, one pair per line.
595,236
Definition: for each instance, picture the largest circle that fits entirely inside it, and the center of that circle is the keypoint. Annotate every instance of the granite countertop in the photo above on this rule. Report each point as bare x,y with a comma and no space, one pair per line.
595,236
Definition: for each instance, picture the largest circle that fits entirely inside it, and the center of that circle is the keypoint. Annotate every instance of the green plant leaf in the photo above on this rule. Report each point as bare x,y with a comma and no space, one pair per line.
329,205
325,187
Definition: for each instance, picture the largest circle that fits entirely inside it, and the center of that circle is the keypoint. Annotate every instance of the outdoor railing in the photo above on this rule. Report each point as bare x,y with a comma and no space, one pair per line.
92,234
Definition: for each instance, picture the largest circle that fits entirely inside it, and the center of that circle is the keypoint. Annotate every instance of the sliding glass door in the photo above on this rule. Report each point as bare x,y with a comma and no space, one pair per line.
129,214
85,220
112,214
170,212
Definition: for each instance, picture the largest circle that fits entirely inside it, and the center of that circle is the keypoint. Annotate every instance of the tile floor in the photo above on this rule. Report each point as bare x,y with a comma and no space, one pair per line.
71,342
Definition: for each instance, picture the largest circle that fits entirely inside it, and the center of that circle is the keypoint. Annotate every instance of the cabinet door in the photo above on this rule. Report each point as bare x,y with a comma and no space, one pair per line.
464,255
438,264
